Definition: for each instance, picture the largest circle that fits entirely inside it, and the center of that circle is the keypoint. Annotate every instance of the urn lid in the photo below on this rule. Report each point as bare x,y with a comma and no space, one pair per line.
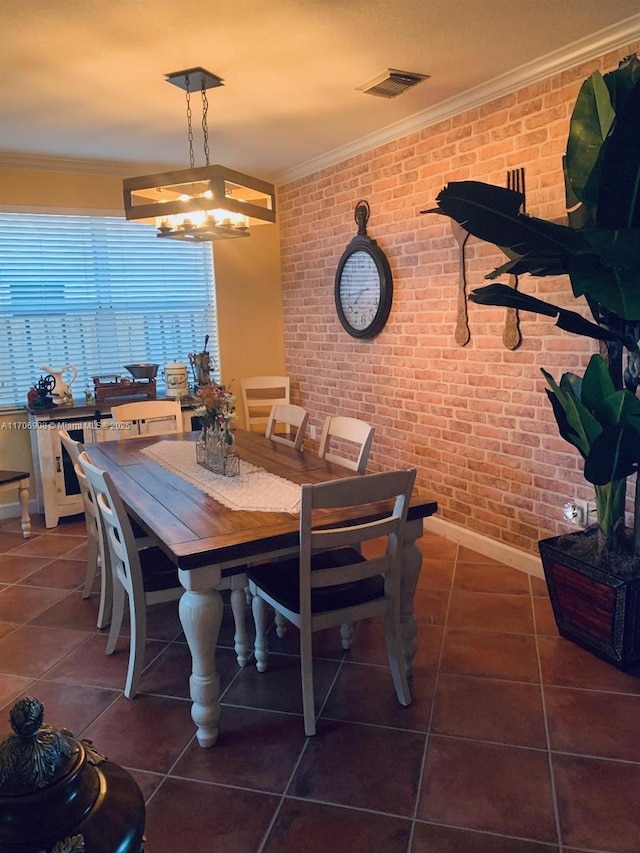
58,793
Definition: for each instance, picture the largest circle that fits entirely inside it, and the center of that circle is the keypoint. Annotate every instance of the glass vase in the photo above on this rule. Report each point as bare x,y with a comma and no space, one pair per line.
217,455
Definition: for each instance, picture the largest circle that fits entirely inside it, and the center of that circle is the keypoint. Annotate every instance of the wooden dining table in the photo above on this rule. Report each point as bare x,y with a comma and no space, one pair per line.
208,541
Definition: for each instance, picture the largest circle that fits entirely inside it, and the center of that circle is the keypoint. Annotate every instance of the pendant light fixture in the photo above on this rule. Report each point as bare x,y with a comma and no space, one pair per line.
199,204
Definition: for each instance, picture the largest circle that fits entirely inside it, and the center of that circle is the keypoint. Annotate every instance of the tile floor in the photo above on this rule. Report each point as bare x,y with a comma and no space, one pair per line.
517,741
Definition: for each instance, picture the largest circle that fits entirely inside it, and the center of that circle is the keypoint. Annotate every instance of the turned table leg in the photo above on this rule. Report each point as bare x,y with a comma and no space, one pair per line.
201,615
23,495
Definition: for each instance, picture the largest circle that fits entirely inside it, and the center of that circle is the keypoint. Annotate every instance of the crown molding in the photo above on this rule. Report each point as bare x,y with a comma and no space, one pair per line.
120,168
613,37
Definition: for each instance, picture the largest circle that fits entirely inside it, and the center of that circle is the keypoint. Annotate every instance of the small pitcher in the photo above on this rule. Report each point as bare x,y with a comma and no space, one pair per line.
61,388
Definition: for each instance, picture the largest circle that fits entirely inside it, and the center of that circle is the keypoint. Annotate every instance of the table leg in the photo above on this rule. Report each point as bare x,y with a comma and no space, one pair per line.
23,495
411,563
201,615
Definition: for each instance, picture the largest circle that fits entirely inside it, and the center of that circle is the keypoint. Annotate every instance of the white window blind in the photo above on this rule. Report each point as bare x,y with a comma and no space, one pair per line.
98,293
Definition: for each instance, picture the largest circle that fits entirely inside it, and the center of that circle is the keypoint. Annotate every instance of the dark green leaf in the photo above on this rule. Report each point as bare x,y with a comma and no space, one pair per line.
491,213
570,321
617,291
597,384
591,122
619,186
614,455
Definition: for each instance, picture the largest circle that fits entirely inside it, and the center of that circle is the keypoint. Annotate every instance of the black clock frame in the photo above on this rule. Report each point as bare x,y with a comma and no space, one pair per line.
362,243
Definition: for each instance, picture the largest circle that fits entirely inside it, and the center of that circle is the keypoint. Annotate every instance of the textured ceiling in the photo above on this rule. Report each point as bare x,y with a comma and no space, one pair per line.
84,79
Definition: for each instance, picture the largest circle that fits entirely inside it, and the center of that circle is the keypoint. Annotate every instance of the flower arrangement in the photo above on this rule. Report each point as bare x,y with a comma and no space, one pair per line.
217,412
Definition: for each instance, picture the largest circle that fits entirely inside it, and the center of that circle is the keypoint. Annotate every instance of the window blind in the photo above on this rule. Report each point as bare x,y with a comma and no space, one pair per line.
98,293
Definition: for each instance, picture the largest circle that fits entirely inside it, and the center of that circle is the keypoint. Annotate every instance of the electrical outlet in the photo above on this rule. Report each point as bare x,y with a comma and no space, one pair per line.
579,512
312,432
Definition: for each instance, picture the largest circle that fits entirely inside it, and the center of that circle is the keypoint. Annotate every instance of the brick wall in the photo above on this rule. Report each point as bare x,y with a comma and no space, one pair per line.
475,419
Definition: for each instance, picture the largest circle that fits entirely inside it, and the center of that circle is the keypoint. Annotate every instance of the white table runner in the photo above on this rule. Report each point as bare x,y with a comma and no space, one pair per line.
254,489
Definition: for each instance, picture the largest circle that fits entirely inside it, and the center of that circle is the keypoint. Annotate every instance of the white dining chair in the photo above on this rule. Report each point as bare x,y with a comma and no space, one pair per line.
354,438
145,577
97,554
259,394
147,417
95,544
281,419
331,583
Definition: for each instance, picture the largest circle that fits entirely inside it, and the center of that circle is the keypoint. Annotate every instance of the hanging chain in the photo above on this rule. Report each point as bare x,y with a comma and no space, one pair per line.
189,124
205,129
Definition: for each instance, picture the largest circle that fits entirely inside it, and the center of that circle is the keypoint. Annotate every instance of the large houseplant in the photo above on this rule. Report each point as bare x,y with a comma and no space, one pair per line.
598,413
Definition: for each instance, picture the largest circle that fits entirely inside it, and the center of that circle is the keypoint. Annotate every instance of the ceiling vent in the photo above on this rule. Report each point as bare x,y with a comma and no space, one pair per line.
392,83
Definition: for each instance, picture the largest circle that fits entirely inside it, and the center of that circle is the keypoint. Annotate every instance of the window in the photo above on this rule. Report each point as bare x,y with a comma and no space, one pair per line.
97,293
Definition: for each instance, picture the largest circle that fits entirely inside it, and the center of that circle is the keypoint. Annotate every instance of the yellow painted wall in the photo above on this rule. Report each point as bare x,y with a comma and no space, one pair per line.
248,285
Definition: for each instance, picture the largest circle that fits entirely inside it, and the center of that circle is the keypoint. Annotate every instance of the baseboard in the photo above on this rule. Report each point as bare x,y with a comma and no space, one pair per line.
499,551
13,509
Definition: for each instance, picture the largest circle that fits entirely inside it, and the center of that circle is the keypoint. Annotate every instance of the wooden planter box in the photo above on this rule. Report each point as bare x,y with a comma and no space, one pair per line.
596,609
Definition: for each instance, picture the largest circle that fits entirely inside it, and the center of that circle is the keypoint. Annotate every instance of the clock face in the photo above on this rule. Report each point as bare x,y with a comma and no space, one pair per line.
360,290
363,288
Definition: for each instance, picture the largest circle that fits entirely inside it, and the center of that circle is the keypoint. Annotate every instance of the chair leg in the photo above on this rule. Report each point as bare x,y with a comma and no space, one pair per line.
117,614
106,591
396,659
281,625
346,634
93,561
241,638
306,670
261,649
138,639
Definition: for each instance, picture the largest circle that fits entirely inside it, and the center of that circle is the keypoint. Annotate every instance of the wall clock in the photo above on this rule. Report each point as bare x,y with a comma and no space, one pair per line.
363,288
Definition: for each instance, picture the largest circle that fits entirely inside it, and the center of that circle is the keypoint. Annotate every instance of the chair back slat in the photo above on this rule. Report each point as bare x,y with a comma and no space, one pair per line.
287,415
259,394
353,435
386,495
147,417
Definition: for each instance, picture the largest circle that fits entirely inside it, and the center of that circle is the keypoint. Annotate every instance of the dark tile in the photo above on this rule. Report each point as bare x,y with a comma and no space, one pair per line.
428,838
594,723
147,782
365,694
195,817
14,568
538,586
89,664
12,687
370,646
566,664
31,650
430,606
169,672
598,803
69,706
480,577
487,709
73,612
63,574
491,612
356,750
21,604
318,828
48,545
10,540
489,787
436,574
148,732
543,614
509,656
255,749
279,688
